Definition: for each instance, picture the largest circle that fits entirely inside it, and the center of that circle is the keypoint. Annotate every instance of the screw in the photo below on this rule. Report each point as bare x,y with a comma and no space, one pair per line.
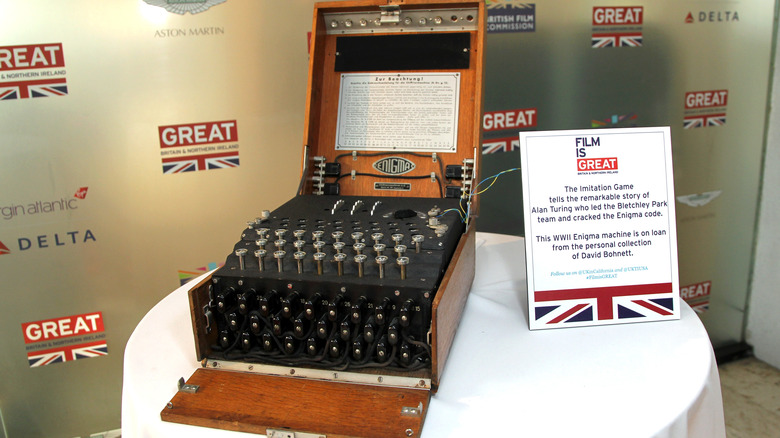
418,240
263,232
279,244
360,260
402,262
317,235
358,247
339,258
318,257
400,250
379,248
280,233
377,237
260,253
337,235
299,255
279,255
357,236
241,252
338,246
261,242
397,238
381,260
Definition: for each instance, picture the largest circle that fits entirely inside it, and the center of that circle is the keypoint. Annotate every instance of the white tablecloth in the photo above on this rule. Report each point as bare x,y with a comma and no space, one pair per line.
656,379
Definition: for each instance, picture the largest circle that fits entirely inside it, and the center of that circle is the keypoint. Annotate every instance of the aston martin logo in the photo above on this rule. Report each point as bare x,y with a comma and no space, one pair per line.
394,165
699,199
181,7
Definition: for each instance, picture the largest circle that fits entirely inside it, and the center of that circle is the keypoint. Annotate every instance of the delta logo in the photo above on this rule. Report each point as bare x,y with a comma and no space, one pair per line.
64,339
617,26
705,108
51,240
199,146
712,17
32,70
183,7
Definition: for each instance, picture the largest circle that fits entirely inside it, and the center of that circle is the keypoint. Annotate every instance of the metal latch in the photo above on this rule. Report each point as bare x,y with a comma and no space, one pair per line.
389,14
409,411
275,433
185,387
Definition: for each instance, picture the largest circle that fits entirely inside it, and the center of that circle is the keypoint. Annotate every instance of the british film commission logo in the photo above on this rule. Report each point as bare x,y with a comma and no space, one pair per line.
394,166
32,70
182,7
510,16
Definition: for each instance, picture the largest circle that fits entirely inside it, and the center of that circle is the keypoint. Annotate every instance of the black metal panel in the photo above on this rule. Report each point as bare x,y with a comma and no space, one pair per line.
443,51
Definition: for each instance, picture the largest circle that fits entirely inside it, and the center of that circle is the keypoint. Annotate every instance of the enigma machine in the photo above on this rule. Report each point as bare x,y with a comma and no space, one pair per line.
333,315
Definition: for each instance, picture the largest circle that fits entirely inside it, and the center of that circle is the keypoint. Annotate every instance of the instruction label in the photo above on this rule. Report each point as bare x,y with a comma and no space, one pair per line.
600,234
398,111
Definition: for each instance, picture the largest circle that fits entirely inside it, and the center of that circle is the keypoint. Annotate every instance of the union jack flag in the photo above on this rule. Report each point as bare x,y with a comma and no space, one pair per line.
67,353
560,307
500,145
616,39
701,121
200,162
700,306
37,88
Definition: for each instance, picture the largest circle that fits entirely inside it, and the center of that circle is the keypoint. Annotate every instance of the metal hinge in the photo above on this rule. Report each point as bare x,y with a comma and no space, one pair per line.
276,433
389,14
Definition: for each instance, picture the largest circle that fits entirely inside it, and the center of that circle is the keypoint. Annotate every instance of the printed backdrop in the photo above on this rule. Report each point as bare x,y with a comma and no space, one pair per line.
138,136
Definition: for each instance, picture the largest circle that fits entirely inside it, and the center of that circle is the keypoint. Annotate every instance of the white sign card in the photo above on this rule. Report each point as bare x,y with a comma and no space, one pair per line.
600,232
398,111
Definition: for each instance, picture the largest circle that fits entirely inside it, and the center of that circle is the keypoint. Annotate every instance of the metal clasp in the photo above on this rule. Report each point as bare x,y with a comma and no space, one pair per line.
409,411
185,387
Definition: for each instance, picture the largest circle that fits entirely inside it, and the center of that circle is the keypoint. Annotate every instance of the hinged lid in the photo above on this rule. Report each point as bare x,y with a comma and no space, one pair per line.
394,98
256,403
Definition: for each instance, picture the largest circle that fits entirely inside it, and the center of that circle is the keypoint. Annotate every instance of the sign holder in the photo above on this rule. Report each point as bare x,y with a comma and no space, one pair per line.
601,239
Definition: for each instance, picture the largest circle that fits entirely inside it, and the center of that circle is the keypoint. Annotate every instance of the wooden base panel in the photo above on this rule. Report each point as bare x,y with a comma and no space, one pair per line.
254,403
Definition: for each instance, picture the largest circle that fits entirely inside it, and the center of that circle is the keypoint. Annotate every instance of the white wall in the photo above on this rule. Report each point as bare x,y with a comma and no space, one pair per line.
763,328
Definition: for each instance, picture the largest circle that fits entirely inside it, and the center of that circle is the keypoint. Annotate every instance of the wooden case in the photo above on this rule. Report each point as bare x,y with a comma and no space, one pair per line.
300,402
